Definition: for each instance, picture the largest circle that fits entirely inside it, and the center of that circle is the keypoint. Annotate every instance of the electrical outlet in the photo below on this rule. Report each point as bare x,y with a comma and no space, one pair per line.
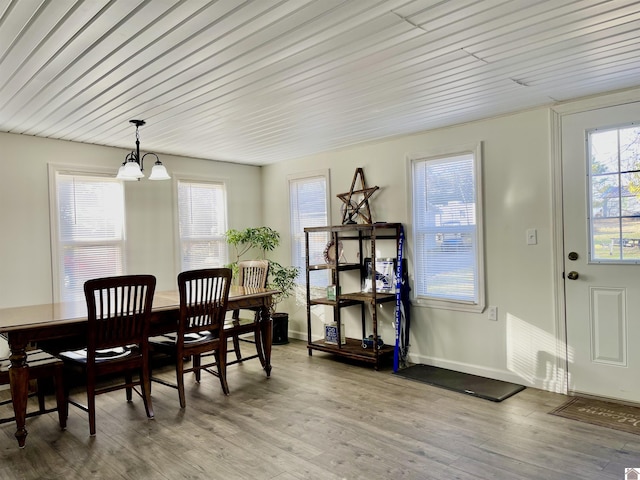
492,313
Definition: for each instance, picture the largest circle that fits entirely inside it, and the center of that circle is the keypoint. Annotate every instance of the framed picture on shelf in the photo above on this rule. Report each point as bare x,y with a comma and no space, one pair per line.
329,253
385,279
331,334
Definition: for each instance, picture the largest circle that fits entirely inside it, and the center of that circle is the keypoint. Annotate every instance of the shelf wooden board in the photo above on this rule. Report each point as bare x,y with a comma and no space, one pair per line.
368,297
341,266
355,298
343,302
353,349
362,227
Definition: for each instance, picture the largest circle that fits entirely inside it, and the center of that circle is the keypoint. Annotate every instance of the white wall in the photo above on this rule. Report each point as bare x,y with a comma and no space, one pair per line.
25,254
520,277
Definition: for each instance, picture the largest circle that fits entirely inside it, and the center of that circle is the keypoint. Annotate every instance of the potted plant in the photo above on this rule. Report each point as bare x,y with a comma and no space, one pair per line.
281,278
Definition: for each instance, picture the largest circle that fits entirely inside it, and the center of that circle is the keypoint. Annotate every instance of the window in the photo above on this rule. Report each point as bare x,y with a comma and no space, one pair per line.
308,198
614,166
447,235
202,220
88,230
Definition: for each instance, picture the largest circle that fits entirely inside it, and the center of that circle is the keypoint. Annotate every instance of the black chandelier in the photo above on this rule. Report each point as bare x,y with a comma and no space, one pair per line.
132,167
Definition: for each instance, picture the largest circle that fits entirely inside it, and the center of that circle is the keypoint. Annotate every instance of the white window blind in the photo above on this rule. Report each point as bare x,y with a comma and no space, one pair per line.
90,221
308,208
202,222
446,234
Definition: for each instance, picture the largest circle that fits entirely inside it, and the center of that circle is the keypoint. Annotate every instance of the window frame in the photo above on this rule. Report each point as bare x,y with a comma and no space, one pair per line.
475,150
54,221
176,179
325,174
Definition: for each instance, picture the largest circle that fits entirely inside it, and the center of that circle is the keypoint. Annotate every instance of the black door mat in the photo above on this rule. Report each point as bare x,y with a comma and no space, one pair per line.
482,387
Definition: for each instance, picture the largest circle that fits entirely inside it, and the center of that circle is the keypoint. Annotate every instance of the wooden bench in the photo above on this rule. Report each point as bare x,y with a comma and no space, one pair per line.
626,242
41,365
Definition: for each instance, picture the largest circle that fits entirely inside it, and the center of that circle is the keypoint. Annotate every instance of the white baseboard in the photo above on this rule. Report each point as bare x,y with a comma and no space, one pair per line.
497,374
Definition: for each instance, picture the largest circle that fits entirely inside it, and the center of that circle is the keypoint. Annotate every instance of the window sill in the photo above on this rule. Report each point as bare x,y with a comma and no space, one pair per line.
449,305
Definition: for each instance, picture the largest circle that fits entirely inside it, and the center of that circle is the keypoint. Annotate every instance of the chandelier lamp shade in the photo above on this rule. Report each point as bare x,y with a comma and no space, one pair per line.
132,167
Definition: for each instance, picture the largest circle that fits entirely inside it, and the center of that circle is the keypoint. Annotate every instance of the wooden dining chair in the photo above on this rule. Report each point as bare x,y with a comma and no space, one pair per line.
203,304
118,310
251,273
42,366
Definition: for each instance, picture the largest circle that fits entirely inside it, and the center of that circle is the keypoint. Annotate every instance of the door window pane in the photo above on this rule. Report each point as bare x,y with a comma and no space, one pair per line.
614,181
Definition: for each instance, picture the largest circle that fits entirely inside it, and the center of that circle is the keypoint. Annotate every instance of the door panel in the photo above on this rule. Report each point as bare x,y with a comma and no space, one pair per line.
603,296
609,326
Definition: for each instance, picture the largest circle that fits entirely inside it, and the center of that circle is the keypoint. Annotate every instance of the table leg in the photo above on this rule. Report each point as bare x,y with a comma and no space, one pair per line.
266,324
19,379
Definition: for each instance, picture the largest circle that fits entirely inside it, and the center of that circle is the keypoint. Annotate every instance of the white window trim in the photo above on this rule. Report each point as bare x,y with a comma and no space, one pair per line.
450,151
53,169
178,177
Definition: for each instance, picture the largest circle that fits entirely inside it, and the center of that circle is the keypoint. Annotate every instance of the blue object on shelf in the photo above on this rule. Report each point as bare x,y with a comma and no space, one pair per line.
368,342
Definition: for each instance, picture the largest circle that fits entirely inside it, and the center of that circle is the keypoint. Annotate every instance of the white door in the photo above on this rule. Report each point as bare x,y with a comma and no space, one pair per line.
602,226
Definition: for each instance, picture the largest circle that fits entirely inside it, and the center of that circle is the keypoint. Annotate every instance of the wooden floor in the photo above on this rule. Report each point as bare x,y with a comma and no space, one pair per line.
319,418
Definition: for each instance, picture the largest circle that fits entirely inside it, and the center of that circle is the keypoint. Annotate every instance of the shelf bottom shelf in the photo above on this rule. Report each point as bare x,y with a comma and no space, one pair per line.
353,349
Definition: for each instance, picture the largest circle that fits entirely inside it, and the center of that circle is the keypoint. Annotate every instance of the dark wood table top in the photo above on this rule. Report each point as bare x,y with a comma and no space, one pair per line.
53,314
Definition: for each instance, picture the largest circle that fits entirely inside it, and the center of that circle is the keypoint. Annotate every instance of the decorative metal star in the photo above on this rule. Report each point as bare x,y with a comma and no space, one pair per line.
357,207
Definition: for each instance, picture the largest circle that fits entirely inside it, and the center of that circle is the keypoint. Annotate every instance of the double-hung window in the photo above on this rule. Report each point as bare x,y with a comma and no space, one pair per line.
447,229
308,206
202,222
88,230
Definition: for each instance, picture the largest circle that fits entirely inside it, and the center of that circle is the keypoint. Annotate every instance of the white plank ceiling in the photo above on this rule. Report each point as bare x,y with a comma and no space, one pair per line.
260,81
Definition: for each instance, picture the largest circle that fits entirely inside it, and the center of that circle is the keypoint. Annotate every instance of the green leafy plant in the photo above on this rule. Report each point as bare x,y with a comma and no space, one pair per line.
263,240
283,279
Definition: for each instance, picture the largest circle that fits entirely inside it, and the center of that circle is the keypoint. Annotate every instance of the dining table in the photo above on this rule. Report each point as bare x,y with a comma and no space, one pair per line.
65,325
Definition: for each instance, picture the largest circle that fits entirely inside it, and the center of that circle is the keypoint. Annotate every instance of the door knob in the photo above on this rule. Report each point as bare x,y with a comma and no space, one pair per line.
573,275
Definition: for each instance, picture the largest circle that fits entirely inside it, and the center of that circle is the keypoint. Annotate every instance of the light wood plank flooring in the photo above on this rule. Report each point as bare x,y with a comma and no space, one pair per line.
319,418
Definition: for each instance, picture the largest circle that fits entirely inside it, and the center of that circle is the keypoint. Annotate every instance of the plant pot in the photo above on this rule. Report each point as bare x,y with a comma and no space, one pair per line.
280,328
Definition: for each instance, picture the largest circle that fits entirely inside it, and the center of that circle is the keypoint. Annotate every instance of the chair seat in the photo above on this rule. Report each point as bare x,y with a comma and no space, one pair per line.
169,339
239,323
103,355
